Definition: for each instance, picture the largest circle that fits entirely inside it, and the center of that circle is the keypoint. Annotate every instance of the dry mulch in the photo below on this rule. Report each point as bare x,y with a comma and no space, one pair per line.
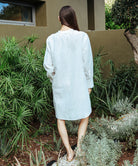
47,141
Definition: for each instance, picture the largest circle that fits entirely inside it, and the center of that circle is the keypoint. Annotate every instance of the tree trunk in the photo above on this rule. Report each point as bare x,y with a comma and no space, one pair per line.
133,40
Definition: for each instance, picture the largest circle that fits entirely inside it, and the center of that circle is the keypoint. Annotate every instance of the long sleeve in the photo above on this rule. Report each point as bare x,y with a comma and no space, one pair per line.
48,65
88,61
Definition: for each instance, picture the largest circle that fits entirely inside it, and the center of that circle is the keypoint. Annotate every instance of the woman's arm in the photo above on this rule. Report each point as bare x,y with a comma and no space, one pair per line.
90,90
88,62
48,64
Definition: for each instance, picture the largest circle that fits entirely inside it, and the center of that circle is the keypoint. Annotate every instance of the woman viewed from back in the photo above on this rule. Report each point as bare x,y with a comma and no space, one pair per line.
69,64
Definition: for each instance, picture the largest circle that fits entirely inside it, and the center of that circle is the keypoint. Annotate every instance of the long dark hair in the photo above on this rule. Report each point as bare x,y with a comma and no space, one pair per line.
68,17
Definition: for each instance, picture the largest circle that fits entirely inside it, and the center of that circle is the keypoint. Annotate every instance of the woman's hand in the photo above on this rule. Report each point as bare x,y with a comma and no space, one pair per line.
89,90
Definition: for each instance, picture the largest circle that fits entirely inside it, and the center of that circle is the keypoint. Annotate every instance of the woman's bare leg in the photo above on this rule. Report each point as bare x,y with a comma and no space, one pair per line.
64,136
81,131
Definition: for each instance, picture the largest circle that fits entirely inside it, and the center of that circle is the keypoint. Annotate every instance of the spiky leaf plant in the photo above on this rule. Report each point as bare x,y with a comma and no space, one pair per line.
5,146
25,91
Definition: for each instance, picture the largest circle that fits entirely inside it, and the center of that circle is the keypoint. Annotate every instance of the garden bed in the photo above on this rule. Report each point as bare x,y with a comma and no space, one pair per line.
23,157
51,154
27,115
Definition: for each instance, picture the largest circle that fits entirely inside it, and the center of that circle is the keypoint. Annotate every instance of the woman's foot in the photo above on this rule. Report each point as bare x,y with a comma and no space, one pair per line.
70,155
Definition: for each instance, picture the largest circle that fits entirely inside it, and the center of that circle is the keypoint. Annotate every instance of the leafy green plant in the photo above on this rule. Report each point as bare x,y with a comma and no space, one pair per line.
127,15
9,52
125,12
31,39
110,24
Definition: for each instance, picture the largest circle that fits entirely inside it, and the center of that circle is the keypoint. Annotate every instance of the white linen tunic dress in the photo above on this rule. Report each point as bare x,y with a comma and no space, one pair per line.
68,61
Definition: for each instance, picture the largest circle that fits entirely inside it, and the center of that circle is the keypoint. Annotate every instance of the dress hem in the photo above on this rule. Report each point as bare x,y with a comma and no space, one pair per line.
75,119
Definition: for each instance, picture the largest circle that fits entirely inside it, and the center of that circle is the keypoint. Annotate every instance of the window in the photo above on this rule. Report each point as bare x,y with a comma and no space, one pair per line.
16,13
91,22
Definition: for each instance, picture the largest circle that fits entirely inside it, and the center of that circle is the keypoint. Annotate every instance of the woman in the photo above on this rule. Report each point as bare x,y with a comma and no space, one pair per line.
69,64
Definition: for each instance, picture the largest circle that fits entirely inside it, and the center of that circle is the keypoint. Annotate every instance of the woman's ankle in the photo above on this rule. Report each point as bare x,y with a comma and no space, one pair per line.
69,151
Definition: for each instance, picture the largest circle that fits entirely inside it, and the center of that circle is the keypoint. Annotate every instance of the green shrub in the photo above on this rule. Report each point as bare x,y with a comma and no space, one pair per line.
121,84
122,106
123,78
101,144
26,93
99,82
121,129
125,12
102,151
109,23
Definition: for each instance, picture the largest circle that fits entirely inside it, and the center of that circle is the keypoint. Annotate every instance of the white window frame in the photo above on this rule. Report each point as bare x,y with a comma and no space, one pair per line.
10,22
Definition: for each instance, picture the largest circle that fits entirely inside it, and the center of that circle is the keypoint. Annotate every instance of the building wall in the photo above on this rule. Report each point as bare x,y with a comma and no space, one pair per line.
80,6
99,15
113,42
22,32
40,14
91,16
90,13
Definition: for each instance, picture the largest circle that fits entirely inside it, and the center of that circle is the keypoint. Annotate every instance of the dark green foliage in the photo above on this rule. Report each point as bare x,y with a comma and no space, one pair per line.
124,78
110,24
126,12
99,82
5,146
25,91
122,83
